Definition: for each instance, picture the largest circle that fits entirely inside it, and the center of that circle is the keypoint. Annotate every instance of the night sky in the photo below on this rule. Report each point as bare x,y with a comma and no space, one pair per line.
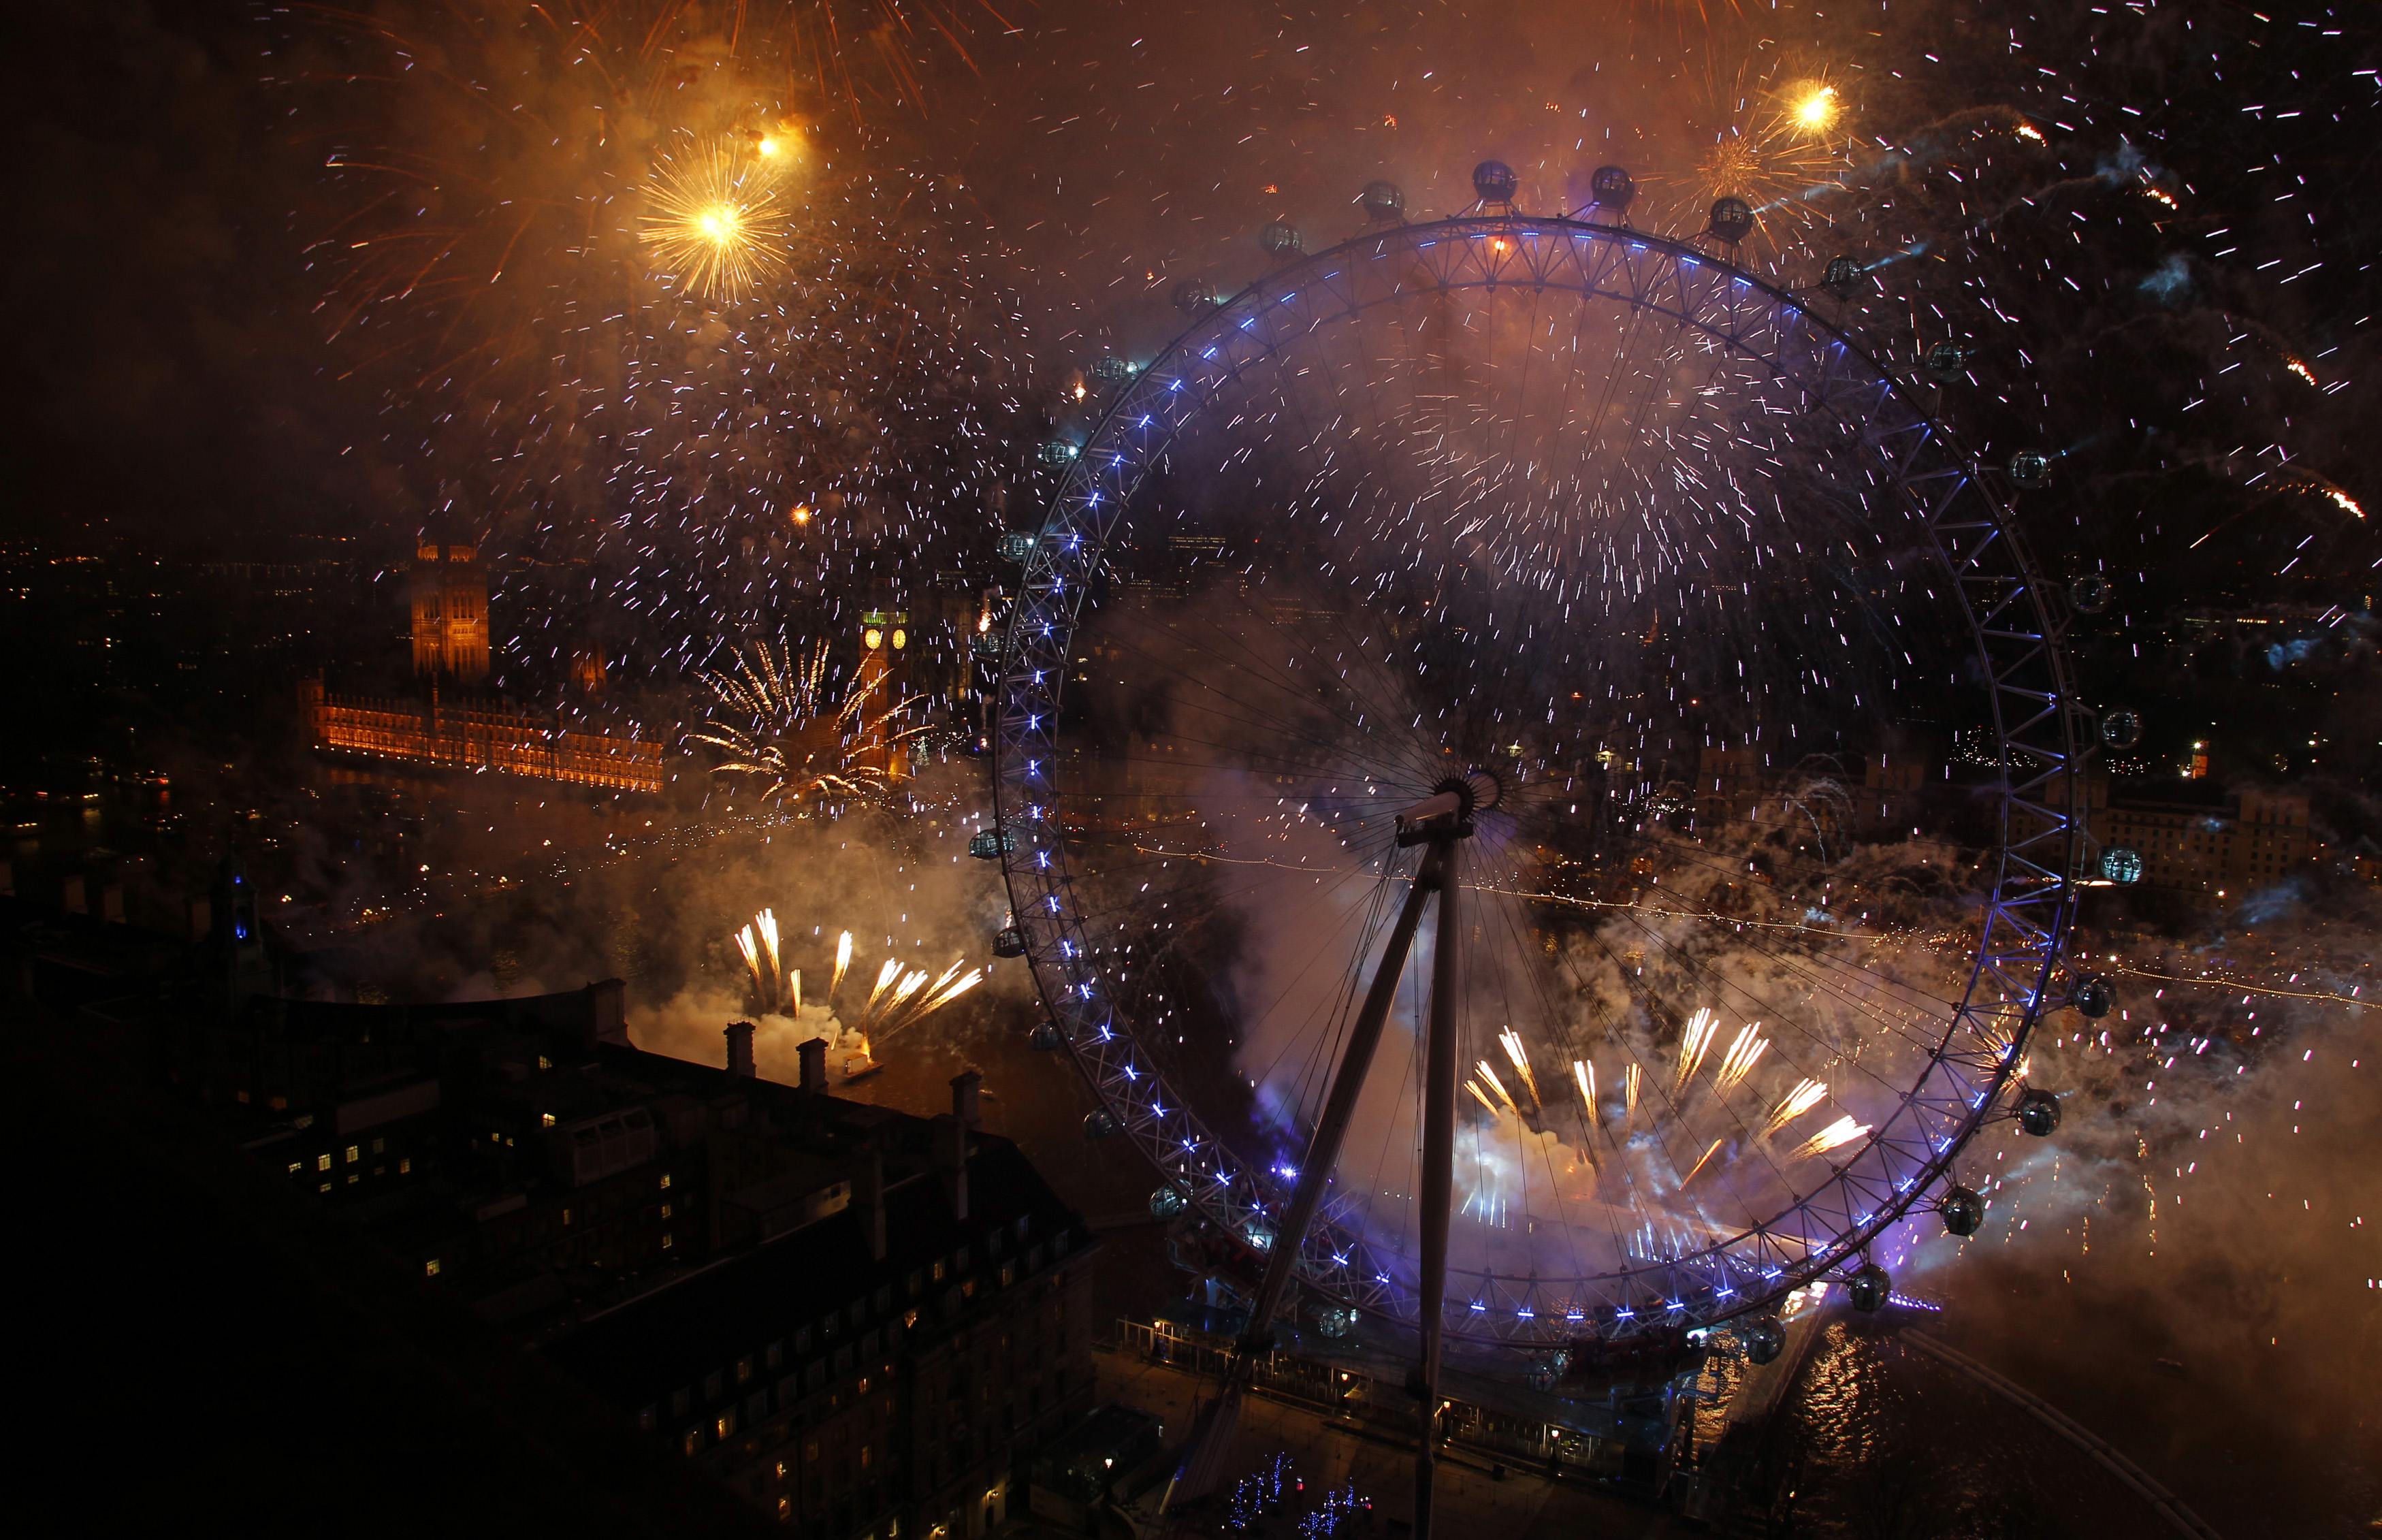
174,290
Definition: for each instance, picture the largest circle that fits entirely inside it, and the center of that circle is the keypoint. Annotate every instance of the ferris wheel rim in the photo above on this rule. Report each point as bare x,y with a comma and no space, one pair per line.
2036,902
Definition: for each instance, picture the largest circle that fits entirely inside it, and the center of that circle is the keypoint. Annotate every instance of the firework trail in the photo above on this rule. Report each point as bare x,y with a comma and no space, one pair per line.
1743,1054
902,997
1703,1028
1512,1041
1489,1075
757,942
1806,1095
1704,1161
1844,1131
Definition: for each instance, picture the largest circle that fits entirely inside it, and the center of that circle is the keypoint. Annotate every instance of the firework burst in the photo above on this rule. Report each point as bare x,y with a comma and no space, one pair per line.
1777,146
717,214
774,718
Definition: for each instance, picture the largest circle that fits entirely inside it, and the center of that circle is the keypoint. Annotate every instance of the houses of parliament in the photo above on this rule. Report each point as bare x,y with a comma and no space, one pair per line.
448,720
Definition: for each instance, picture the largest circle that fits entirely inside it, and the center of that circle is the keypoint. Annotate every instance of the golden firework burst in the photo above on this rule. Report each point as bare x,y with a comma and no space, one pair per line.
718,212
778,725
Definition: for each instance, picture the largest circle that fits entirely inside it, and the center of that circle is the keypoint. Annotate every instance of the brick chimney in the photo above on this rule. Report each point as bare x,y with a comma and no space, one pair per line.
869,1197
949,1136
964,1087
740,1049
813,1054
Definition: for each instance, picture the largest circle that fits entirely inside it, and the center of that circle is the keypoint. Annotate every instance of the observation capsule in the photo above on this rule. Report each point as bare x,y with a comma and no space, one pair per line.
1017,545
1946,361
2122,864
1195,297
1844,277
984,647
1493,182
1111,368
2121,727
990,845
1764,1339
1964,1211
1100,1123
1732,219
1166,1203
1610,187
1045,1038
1336,1320
2038,1111
2093,995
1008,941
1279,239
1057,452
2030,470
1868,1290
1382,203
2090,594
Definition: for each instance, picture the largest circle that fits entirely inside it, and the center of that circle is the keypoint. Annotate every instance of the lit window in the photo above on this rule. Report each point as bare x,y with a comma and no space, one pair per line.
545,1120
405,1165
666,1211
354,1154
430,1268
665,1181
295,1166
666,1242
322,1162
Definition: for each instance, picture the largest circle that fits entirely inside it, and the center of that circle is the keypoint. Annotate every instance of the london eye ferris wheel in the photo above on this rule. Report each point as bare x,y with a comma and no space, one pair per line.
1611,604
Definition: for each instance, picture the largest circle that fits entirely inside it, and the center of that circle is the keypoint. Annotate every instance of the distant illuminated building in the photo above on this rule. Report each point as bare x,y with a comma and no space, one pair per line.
2198,844
450,590
476,734
461,728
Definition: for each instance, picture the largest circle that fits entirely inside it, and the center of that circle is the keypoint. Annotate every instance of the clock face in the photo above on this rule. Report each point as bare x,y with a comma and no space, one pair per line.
872,638
901,638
